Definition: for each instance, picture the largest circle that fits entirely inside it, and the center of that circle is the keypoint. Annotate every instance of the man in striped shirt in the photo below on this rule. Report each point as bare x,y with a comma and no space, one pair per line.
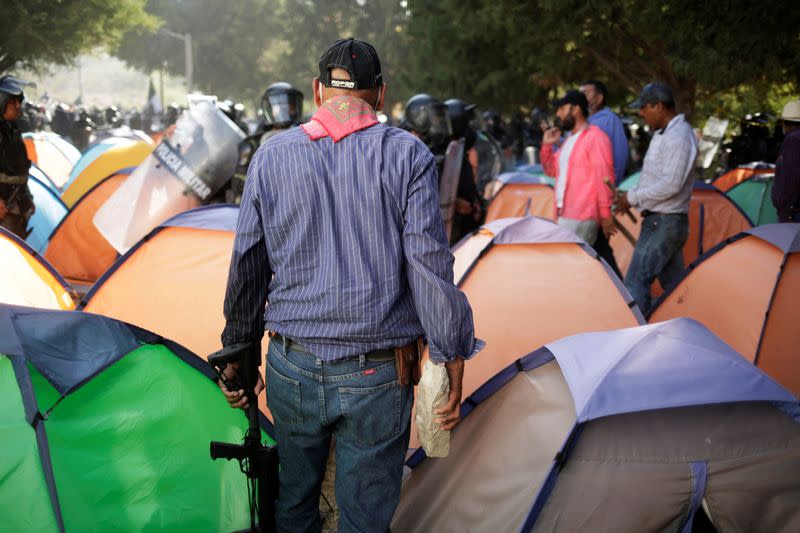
340,230
662,195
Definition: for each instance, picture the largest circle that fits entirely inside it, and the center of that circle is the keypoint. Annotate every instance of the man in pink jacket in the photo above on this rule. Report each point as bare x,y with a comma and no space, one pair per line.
580,166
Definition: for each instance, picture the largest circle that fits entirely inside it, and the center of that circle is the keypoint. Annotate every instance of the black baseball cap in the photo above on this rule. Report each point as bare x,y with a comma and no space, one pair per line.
574,97
359,58
653,93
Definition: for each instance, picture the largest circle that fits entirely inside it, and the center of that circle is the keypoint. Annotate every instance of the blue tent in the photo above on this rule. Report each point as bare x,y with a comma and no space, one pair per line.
628,430
50,210
525,177
90,155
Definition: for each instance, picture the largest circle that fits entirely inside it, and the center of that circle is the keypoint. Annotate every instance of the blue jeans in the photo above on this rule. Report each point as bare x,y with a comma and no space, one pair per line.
359,402
658,254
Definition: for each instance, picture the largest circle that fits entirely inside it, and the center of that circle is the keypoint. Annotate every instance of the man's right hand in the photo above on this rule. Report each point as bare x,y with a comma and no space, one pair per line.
621,204
3,209
450,414
551,136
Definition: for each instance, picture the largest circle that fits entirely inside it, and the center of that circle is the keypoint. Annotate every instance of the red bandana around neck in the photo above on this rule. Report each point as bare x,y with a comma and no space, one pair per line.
340,116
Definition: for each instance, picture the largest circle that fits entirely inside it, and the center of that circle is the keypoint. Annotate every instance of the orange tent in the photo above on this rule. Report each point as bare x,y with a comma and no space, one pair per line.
28,279
77,250
53,154
522,199
173,281
531,282
745,291
713,217
107,158
734,177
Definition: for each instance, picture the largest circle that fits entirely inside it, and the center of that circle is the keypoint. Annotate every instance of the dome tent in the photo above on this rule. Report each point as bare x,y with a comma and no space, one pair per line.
610,429
521,195
53,154
28,278
517,268
109,157
50,210
76,248
173,281
745,291
108,428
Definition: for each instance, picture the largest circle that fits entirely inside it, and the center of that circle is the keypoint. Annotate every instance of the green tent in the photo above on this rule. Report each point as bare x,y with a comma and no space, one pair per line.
106,427
754,197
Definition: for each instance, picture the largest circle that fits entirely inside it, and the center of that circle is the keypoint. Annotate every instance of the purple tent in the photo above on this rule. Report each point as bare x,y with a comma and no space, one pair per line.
628,430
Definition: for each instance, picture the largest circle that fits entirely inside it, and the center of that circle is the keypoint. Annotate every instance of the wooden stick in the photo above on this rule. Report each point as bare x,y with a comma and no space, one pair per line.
625,233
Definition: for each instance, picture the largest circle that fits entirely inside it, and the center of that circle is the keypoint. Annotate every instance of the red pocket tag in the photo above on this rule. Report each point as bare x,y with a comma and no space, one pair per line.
369,372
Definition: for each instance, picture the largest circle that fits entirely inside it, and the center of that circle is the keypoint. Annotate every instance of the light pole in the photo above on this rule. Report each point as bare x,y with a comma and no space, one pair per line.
189,58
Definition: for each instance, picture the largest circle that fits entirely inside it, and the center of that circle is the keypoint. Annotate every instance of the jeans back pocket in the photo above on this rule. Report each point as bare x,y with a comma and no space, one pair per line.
372,414
283,397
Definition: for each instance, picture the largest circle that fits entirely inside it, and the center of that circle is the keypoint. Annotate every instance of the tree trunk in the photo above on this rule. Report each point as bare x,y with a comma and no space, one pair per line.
685,92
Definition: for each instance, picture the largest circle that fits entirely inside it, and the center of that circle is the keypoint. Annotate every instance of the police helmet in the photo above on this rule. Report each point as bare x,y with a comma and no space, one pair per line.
461,114
427,116
282,105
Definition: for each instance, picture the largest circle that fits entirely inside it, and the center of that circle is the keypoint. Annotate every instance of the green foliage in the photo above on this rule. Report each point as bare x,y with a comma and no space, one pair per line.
242,47
34,33
502,47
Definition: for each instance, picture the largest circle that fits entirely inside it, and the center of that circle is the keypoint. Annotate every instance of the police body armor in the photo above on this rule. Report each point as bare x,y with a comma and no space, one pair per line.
14,166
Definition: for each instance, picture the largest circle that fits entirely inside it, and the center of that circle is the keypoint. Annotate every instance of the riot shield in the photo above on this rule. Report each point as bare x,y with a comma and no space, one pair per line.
448,183
184,170
490,161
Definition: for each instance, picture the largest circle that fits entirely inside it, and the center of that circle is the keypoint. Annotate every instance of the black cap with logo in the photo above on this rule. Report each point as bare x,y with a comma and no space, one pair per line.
359,58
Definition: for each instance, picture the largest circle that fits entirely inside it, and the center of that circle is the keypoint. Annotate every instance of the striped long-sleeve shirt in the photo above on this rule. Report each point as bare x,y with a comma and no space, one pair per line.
346,242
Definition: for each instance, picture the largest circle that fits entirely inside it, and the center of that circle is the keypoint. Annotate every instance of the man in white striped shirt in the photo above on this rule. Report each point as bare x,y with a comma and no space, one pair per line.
662,194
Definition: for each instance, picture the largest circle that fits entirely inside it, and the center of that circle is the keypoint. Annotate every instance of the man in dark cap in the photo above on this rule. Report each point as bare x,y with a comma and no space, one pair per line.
16,201
662,194
340,230
580,166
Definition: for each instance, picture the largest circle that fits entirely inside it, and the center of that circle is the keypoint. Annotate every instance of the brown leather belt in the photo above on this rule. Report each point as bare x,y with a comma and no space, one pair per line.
383,354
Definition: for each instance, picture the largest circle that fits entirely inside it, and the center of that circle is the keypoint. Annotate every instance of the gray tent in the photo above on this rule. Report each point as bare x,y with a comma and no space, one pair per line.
632,430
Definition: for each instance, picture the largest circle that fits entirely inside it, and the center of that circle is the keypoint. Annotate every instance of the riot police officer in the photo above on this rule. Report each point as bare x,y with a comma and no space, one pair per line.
469,206
426,118
282,106
16,202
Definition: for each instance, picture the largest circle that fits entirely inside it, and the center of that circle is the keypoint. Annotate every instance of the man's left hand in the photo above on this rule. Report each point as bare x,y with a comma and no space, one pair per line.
451,412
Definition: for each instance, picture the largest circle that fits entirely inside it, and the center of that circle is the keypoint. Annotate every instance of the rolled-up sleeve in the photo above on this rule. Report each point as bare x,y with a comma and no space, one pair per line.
249,273
443,309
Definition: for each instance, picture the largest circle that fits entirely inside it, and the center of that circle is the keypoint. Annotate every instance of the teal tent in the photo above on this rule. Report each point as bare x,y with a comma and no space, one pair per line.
629,182
106,427
754,197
